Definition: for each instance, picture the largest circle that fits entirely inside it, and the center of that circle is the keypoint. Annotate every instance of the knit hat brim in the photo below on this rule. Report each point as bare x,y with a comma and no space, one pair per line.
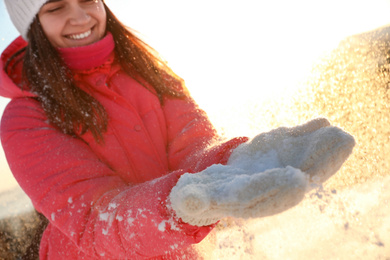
22,13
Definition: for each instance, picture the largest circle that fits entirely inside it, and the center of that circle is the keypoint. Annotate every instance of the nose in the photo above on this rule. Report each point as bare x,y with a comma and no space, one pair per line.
79,16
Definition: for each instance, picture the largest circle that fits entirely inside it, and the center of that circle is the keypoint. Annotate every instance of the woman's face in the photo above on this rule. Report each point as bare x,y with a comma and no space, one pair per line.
72,23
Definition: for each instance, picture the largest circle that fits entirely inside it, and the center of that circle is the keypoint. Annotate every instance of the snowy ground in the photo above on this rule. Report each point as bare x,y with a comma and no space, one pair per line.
351,224
252,58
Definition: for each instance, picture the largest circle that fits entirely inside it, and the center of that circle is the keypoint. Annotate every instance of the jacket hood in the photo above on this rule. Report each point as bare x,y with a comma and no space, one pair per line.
9,82
9,87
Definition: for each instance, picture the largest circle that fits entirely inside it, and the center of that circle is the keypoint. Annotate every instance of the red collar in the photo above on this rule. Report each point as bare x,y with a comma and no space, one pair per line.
90,56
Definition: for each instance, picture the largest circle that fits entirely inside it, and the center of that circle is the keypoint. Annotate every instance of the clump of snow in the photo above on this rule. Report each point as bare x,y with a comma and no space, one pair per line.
104,216
112,206
109,217
161,226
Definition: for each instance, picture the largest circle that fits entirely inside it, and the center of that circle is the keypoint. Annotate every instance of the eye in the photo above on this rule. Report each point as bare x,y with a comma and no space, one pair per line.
52,10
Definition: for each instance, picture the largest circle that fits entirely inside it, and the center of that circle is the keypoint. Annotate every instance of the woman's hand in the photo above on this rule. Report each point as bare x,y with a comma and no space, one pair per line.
264,176
316,148
220,191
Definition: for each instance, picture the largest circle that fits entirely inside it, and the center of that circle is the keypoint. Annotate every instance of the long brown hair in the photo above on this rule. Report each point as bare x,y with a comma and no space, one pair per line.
71,109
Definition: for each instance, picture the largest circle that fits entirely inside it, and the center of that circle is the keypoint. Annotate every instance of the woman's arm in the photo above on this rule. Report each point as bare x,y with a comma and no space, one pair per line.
83,198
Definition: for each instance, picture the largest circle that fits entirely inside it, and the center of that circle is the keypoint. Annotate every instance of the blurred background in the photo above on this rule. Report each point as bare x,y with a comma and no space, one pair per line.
253,65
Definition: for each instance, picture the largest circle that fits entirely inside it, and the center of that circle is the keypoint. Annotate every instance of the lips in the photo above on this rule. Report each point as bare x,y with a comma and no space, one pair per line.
79,36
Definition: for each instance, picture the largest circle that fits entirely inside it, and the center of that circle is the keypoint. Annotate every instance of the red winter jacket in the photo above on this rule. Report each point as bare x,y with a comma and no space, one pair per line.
108,201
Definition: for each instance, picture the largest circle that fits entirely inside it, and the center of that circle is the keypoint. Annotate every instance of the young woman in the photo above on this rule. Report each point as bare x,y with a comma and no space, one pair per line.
98,132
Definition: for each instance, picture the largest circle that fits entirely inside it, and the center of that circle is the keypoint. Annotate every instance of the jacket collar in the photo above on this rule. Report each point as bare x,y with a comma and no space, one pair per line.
80,58
90,56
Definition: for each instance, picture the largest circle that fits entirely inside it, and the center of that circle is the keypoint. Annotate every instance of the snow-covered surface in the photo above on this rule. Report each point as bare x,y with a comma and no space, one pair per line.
351,224
14,202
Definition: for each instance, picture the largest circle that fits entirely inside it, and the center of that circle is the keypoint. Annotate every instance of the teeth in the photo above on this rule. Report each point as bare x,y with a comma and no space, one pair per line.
80,36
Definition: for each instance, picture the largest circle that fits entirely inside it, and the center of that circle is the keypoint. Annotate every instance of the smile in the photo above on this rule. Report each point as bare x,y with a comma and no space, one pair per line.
80,36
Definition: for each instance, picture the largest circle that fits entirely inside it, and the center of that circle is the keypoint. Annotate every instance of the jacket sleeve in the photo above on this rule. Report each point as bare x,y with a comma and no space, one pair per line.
193,142
83,198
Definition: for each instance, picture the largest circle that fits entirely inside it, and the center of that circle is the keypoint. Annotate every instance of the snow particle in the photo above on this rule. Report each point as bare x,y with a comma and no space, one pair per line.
104,216
130,221
112,206
161,226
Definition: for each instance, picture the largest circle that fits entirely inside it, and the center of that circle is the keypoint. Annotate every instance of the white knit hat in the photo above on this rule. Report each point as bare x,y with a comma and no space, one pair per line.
23,12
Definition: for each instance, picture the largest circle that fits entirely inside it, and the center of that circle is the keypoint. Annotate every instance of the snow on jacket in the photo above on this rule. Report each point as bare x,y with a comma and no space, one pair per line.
108,200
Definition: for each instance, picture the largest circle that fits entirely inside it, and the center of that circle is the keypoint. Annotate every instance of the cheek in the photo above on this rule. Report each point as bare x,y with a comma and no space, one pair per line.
51,28
102,22
49,31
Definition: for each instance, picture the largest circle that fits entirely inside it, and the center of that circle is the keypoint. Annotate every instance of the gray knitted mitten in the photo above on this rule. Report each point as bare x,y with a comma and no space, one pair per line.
315,148
267,175
224,191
